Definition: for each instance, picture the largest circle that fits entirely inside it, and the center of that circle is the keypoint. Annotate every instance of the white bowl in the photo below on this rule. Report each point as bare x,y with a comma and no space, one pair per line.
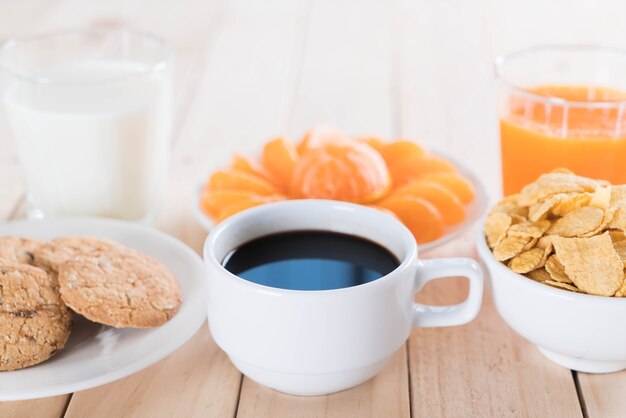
578,331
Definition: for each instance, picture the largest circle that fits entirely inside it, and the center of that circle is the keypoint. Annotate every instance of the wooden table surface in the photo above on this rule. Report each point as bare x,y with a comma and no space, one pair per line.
419,69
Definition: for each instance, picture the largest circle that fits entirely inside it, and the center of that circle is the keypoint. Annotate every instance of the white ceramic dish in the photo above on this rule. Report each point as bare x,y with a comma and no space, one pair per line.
96,354
474,210
577,331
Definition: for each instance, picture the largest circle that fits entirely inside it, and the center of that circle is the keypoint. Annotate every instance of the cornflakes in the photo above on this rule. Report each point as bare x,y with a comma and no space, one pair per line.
527,261
578,222
561,285
601,198
510,206
591,263
540,275
496,226
509,247
570,203
556,182
620,248
529,229
556,270
565,231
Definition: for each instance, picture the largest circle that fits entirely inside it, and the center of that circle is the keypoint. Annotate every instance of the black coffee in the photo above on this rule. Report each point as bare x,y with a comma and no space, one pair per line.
310,260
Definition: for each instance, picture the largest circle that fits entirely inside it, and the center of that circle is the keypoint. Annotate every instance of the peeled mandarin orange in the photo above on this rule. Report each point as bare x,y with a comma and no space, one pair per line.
243,163
453,182
374,142
413,167
396,151
246,203
212,202
350,171
319,137
449,206
279,158
419,215
242,181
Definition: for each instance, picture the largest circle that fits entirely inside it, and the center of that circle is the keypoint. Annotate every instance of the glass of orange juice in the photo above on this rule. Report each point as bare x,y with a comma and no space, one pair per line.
562,106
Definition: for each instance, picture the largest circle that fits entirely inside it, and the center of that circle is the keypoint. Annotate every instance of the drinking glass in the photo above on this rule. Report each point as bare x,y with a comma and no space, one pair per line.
89,112
562,106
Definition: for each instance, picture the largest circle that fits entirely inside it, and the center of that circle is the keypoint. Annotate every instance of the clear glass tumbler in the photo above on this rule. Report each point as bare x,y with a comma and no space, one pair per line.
562,106
89,112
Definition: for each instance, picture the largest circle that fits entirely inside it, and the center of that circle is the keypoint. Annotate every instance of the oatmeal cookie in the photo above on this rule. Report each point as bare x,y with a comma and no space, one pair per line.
51,255
120,287
17,250
34,321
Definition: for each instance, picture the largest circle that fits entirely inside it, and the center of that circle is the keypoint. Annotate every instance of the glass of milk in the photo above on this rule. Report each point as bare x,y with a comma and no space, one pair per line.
89,112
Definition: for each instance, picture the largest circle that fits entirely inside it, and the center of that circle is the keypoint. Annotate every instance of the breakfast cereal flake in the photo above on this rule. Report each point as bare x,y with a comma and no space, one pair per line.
540,275
561,285
496,226
529,229
620,248
601,197
617,235
509,247
591,263
607,217
578,222
511,206
540,209
545,242
555,270
565,231
556,182
528,261
570,203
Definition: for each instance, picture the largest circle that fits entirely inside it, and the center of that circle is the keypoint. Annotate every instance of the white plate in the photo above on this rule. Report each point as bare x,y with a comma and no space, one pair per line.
473,211
96,354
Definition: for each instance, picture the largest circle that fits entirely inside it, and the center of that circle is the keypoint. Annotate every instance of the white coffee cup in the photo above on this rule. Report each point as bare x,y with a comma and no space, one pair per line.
318,342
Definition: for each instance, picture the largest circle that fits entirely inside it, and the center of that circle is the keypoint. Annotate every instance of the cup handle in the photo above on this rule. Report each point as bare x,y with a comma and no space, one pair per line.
445,316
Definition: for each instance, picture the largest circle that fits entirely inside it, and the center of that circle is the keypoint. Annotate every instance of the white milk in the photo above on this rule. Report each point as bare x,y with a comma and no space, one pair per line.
99,147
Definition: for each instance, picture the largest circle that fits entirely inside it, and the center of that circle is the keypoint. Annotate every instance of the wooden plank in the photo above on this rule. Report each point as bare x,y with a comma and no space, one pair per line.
603,394
197,380
482,369
379,397
53,407
345,81
347,70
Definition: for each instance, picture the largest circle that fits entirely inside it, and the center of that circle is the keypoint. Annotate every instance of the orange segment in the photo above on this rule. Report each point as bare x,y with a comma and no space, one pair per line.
243,163
319,137
411,168
453,182
246,203
350,171
279,158
397,151
242,181
449,206
212,202
419,215
374,142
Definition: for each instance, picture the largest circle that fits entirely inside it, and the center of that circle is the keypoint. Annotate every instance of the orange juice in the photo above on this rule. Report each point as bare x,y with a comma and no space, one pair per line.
586,133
